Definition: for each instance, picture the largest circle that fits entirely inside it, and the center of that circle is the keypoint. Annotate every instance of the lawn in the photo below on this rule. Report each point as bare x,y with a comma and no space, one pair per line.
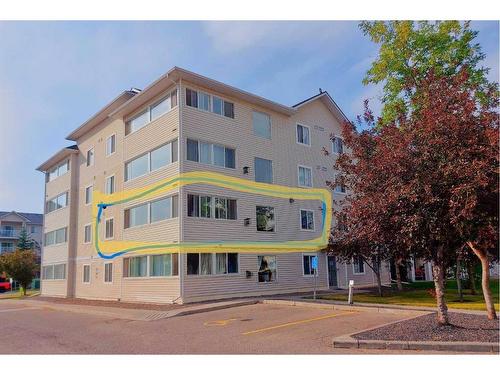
417,294
18,294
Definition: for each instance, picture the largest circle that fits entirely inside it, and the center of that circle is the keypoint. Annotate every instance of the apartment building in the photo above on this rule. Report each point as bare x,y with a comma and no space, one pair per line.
184,122
11,224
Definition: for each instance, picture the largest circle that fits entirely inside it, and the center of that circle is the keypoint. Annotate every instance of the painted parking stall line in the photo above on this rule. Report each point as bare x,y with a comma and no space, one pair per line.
297,322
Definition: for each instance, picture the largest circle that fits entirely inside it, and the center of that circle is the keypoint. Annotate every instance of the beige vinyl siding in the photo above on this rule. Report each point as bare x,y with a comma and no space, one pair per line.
289,279
54,288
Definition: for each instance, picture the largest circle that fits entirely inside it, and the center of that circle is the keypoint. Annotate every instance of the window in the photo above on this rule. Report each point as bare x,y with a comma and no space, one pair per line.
135,266
303,135
226,263
59,271
205,264
87,233
265,219
90,157
57,171
147,213
164,265
308,264
58,202
261,124
211,207
358,265
110,231
267,268
193,263
263,170
210,103
153,160
86,273
108,272
152,113
48,272
339,185
306,220
208,153
56,236
337,145
110,185
110,145
88,194
305,176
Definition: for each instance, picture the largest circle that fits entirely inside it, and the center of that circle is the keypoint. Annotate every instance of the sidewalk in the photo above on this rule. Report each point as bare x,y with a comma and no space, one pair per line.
132,313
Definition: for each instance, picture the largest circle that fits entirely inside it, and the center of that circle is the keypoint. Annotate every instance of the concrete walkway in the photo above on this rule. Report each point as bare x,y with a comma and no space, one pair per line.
122,312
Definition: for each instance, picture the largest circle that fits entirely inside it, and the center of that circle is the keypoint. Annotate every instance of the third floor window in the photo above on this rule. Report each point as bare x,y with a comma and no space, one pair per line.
209,153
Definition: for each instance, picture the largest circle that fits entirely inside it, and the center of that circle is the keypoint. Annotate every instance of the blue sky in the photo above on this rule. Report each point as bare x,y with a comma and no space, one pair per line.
55,75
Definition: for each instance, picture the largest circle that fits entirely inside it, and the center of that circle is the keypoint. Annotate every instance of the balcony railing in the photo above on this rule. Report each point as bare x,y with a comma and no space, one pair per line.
10,233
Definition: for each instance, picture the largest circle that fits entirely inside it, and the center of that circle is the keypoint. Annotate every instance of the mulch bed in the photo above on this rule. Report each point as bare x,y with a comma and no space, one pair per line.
125,305
463,327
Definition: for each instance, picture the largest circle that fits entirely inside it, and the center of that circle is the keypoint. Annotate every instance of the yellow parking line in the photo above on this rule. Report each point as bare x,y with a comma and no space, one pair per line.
297,322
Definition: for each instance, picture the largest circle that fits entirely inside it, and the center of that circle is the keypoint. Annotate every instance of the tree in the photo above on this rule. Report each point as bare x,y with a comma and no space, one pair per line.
418,183
24,241
409,51
20,265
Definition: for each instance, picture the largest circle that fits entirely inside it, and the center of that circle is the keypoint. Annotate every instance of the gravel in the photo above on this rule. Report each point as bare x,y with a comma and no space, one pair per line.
463,327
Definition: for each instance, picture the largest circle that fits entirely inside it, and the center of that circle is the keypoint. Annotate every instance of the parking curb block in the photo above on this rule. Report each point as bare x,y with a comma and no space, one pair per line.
348,342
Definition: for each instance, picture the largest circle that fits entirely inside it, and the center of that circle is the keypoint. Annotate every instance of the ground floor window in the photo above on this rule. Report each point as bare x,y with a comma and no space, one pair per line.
212,263
54,272
108,272
267,268
135,266
358,265
86,273
164,265
308,264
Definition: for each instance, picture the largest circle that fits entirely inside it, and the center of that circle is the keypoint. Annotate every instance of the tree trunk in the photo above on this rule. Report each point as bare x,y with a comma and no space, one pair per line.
485,280
459,281
398,275
472,277
379,283
438,272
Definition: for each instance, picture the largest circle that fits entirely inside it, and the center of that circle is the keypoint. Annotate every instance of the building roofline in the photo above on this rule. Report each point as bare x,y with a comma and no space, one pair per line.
15,213
325,95
57,157
175,74
101,115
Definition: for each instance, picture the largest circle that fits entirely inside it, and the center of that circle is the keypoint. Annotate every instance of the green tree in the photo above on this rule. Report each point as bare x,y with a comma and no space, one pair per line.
20,265
24,241
410,50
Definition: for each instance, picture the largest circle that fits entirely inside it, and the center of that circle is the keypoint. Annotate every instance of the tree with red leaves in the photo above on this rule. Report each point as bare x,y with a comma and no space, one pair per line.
424,185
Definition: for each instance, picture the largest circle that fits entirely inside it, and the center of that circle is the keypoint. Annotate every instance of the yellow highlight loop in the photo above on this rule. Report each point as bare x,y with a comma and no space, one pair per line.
111,249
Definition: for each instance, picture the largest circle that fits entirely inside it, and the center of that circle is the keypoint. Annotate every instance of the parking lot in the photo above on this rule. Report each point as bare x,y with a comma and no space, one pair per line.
252,329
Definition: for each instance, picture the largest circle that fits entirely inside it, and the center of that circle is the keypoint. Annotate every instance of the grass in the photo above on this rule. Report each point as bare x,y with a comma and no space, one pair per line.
18,294
417,294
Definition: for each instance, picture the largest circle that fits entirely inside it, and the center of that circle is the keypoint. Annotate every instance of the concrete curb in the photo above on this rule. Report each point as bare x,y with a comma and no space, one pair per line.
348,342
346,307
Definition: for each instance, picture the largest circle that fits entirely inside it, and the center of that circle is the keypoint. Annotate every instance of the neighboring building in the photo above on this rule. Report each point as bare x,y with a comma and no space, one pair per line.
11,224
186,122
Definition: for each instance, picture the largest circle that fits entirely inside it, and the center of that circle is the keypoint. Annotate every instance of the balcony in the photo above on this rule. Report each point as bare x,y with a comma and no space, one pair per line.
9,233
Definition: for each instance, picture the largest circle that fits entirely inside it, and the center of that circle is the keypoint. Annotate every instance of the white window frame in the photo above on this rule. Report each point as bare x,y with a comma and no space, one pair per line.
56,168
148,204
91,195
57,196
87,156
302,264
297,134
298,176
107,139
331,147
354,270
212,207
104,273
270,125
105,222
106,184
83,273
212,144
300,220
211,106
171,266
275,220
85,226
137,277
339,192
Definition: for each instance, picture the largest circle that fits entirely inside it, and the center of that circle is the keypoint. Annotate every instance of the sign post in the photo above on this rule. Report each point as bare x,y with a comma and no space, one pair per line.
314,265
351,287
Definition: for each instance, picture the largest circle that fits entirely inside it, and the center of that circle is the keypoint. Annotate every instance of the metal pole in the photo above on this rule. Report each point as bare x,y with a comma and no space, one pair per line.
315,276
351,287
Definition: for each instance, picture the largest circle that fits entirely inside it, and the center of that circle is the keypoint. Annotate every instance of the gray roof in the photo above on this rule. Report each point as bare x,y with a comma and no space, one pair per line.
31,217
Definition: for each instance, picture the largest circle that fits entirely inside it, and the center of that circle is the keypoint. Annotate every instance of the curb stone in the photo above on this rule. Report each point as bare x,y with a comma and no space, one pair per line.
348,342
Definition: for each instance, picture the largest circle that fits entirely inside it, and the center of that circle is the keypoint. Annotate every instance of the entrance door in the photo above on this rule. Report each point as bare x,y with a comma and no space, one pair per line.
332,272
